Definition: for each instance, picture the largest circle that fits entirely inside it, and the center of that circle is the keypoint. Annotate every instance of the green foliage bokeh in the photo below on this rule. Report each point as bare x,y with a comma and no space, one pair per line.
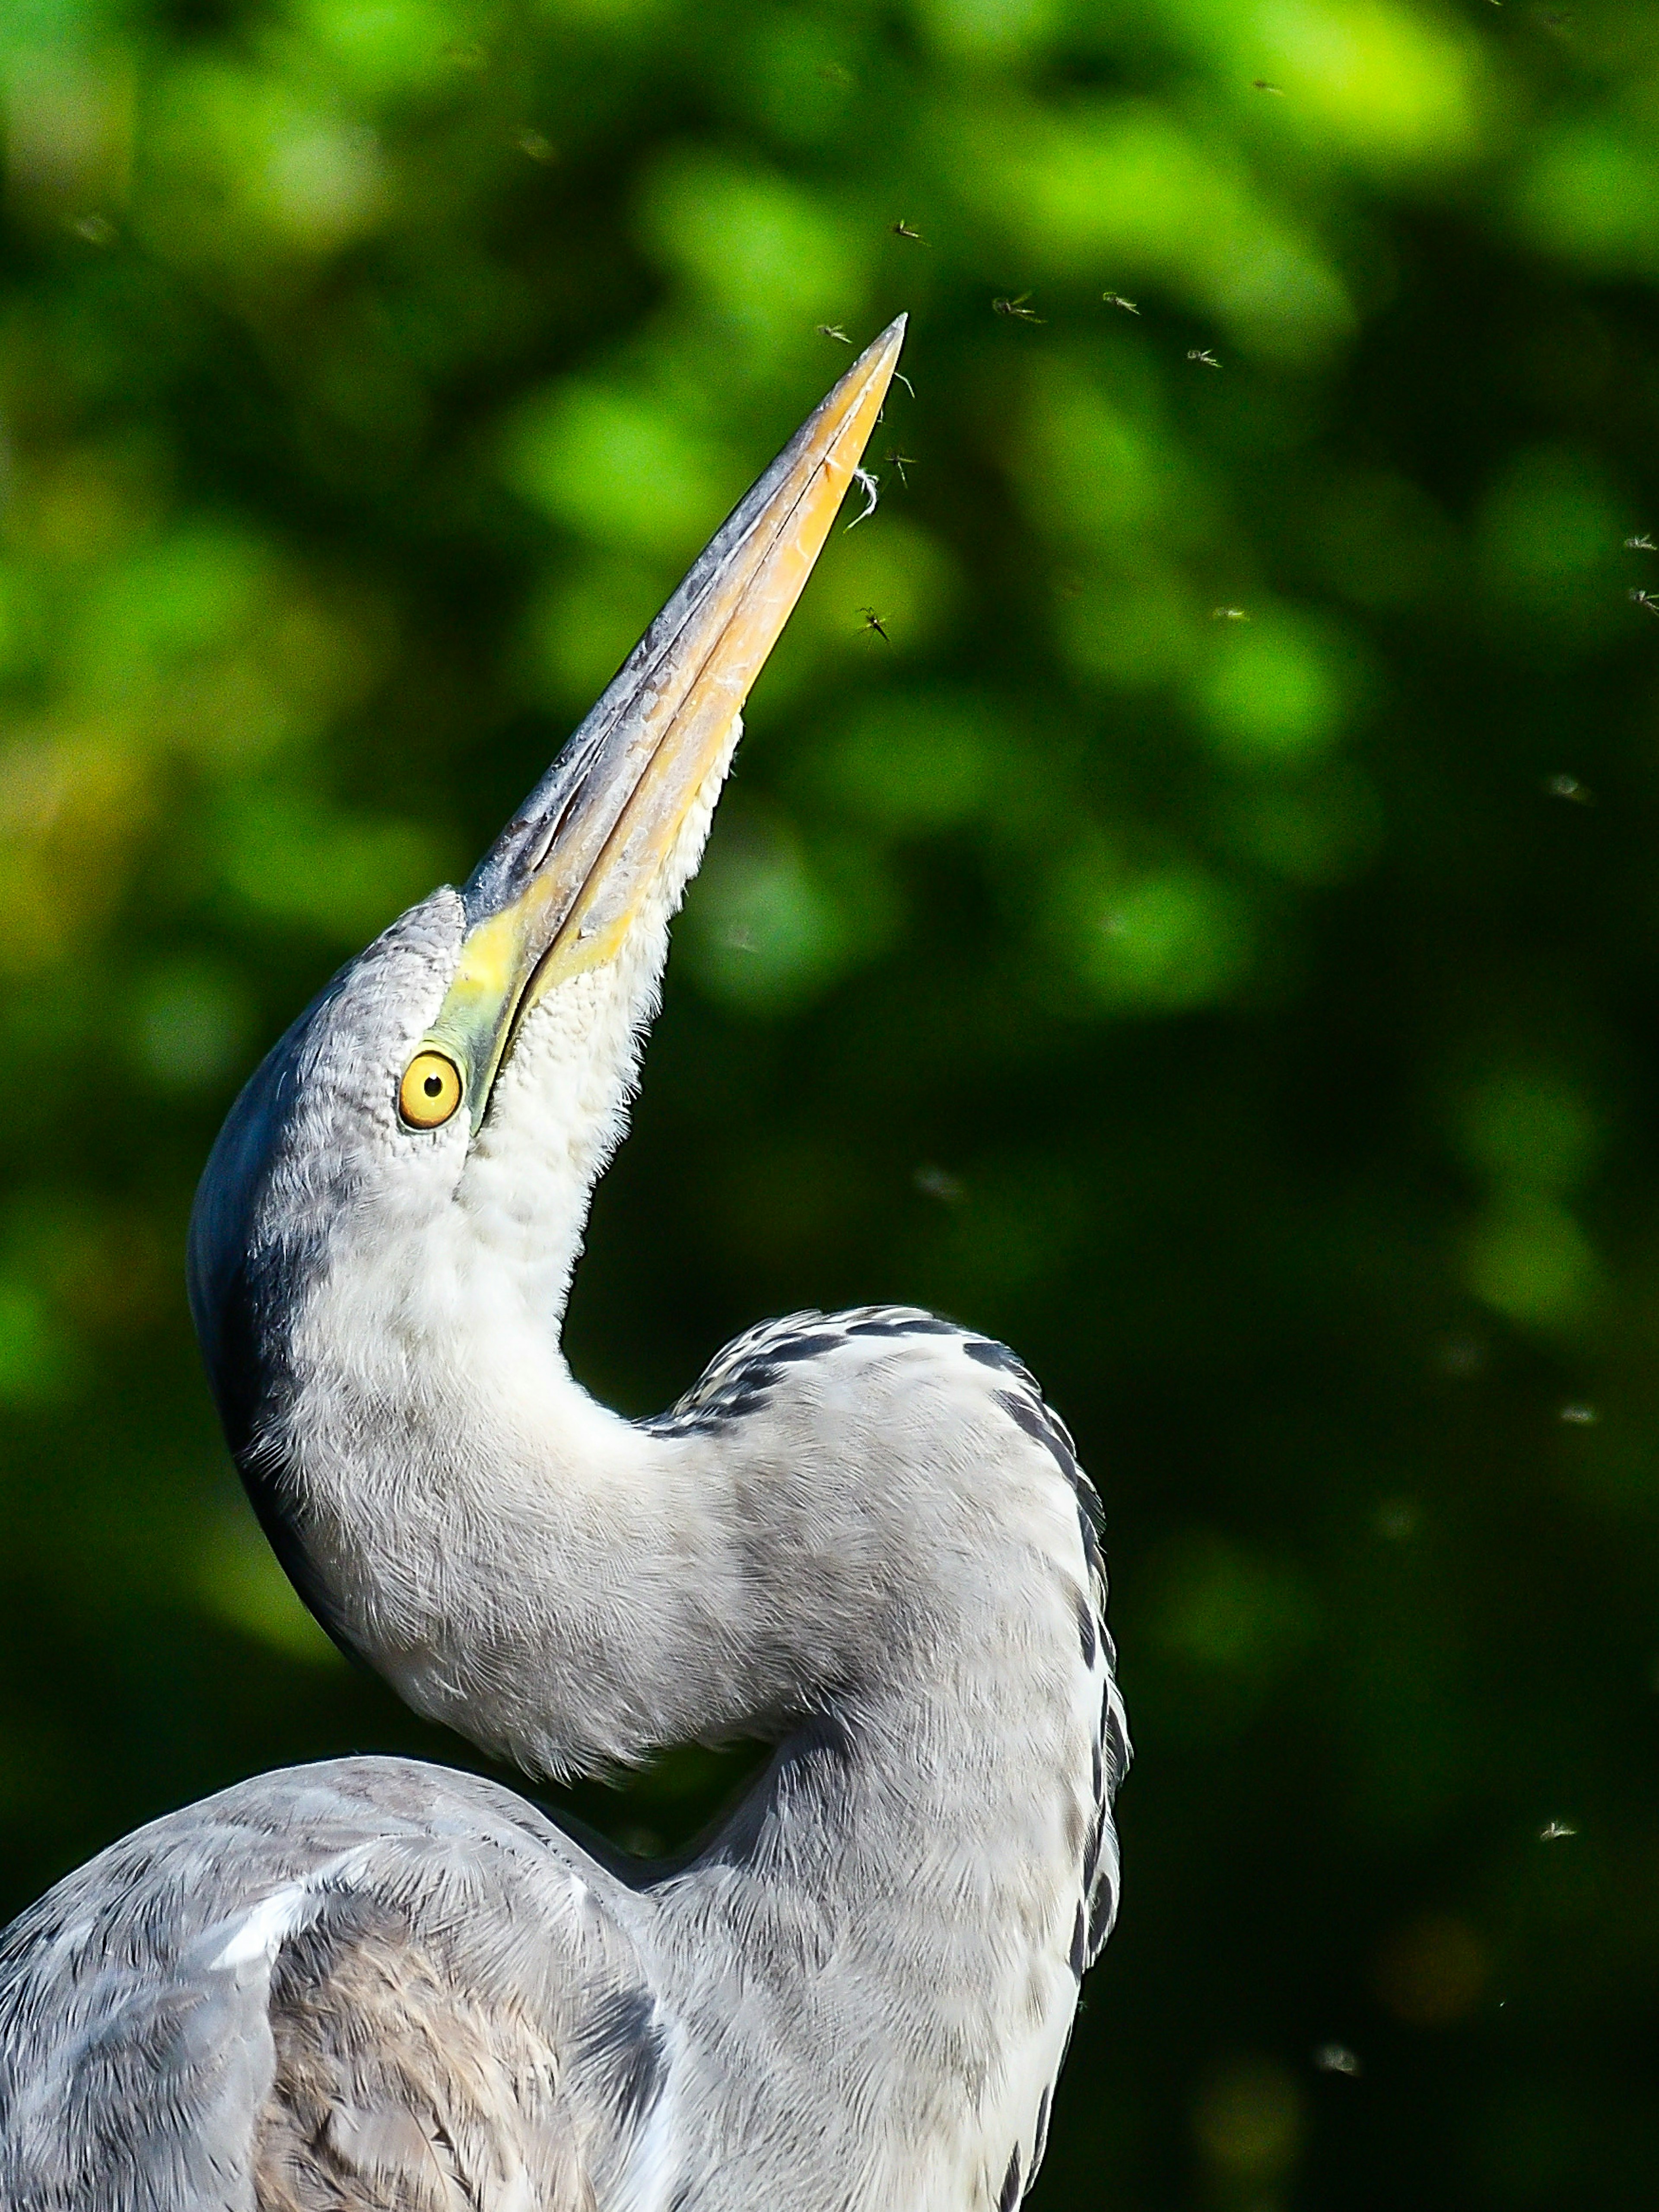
1209,936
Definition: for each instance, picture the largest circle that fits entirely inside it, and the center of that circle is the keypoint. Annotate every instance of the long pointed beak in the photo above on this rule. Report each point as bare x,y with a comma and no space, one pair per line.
556,892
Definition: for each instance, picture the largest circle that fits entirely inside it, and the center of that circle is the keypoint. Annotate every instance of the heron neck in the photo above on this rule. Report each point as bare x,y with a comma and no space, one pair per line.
858,1552
575,1591
915,1872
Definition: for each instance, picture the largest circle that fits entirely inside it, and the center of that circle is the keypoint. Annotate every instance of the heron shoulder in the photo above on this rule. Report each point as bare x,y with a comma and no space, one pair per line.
370,1979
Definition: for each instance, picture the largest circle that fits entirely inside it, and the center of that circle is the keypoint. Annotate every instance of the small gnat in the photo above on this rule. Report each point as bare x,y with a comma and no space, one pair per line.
1554,1832
1580,1416
538,147
940,1183
1568,786
1335,2058
1203,354
96,229
834,330
1642,543
1261,84
1640,598
1117,300
1228,613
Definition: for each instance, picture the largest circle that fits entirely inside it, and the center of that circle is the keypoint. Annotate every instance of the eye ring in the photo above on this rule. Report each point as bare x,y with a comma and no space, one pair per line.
430,1090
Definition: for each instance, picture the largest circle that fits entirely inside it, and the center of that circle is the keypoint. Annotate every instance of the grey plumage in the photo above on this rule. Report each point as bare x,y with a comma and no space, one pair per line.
863,1537
439,1998
322,1987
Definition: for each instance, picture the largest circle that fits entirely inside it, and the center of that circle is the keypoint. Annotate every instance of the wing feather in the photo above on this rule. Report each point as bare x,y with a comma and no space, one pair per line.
366,1987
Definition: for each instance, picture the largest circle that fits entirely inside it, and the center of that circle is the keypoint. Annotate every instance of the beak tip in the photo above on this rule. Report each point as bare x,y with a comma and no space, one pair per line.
872,373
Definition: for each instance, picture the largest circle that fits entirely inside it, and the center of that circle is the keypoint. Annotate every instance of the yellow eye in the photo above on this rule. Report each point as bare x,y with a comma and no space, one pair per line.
430,1090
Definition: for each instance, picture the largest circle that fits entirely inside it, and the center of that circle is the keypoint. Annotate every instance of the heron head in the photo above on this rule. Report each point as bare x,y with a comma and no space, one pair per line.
427,1135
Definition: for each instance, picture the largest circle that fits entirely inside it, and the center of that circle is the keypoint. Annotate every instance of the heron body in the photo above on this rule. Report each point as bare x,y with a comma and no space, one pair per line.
861,1537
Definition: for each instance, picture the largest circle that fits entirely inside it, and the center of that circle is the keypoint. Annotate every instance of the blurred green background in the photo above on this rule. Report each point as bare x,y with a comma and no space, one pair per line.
1213,941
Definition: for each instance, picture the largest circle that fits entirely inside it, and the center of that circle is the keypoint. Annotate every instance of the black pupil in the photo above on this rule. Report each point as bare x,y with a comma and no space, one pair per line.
433,1085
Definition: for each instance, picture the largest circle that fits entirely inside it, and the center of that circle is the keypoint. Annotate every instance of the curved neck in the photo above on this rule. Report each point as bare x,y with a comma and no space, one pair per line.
864,1545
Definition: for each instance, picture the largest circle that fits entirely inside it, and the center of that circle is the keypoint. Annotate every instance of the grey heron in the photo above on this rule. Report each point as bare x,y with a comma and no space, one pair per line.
861,1537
